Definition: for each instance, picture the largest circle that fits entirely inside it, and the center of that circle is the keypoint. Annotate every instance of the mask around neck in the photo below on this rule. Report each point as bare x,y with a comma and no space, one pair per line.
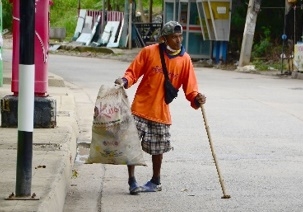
171,49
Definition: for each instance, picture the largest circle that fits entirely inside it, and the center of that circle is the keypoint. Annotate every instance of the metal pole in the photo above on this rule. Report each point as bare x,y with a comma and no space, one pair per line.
123,41
283,55
103,16
284,36
295,24
130,25
26,98
1,45
79,7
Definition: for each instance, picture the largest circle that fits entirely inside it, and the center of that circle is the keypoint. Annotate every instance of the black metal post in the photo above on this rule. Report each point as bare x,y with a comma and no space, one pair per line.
79,7
26,98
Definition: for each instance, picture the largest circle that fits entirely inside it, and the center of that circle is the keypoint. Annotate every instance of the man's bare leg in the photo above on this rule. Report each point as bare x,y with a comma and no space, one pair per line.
134,188
157,162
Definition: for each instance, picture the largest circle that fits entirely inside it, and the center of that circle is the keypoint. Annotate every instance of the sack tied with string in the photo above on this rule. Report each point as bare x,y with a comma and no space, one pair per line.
115,138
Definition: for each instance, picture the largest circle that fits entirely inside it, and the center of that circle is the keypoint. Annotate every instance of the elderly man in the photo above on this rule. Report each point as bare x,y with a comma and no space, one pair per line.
149,108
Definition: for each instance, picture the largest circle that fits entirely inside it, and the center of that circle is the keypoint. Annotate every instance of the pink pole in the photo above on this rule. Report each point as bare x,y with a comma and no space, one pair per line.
41,46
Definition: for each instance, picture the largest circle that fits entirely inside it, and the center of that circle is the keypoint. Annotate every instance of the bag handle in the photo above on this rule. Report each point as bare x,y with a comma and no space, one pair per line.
163,63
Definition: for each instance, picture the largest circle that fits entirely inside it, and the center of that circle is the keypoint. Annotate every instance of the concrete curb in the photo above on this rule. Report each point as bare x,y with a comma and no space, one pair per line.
297,75
53,80
54,200
87,48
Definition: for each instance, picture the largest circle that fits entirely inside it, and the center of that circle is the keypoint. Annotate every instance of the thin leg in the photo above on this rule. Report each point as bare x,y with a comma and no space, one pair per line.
131,171
157,162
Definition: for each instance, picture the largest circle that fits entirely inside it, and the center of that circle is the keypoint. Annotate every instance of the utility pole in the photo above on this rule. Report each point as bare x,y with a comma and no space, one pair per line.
249,31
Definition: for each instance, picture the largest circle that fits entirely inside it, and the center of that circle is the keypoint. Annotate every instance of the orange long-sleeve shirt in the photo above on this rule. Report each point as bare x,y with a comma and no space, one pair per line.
149,98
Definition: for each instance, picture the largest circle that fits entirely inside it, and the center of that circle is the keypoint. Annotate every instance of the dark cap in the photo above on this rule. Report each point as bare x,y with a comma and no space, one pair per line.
171,27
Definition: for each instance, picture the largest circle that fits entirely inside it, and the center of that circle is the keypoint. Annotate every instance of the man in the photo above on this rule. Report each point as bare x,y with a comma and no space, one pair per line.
151,113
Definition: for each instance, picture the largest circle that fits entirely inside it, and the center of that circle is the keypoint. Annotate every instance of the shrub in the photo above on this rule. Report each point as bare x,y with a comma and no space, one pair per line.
7,19
261,49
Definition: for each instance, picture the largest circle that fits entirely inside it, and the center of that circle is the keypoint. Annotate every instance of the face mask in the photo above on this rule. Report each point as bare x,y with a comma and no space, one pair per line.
170,49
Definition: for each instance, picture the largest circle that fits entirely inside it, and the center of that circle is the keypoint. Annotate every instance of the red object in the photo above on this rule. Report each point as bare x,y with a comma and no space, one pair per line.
41,46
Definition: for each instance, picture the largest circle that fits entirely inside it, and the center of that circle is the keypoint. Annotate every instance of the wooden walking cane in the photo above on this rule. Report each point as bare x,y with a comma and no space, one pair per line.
225,196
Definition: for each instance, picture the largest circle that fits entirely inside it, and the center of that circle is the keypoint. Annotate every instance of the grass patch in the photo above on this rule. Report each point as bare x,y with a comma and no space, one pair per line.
263,65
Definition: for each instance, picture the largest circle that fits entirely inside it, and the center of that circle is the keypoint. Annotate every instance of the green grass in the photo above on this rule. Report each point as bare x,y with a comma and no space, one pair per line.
262,65
69,22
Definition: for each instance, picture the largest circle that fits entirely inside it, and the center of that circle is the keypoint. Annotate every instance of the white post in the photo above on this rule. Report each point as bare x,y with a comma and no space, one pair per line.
249,31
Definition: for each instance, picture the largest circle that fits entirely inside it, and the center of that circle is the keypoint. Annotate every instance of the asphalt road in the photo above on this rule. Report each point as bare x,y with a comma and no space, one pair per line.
256,126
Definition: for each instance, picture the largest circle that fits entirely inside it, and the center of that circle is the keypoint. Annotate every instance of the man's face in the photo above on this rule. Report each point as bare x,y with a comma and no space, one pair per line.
175,40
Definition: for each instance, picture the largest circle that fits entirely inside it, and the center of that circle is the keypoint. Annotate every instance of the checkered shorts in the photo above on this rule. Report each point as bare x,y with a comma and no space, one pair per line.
154,136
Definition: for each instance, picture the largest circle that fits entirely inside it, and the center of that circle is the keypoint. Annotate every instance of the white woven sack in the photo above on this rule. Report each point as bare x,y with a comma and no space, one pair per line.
115,138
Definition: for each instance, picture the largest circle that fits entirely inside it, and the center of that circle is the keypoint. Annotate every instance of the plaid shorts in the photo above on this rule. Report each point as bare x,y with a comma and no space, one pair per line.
154,136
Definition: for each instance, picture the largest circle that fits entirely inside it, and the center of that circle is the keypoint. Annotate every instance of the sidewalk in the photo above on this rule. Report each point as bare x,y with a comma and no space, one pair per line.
54,151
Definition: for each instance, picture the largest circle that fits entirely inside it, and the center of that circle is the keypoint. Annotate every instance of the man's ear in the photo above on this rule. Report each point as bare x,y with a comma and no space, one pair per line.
162,39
